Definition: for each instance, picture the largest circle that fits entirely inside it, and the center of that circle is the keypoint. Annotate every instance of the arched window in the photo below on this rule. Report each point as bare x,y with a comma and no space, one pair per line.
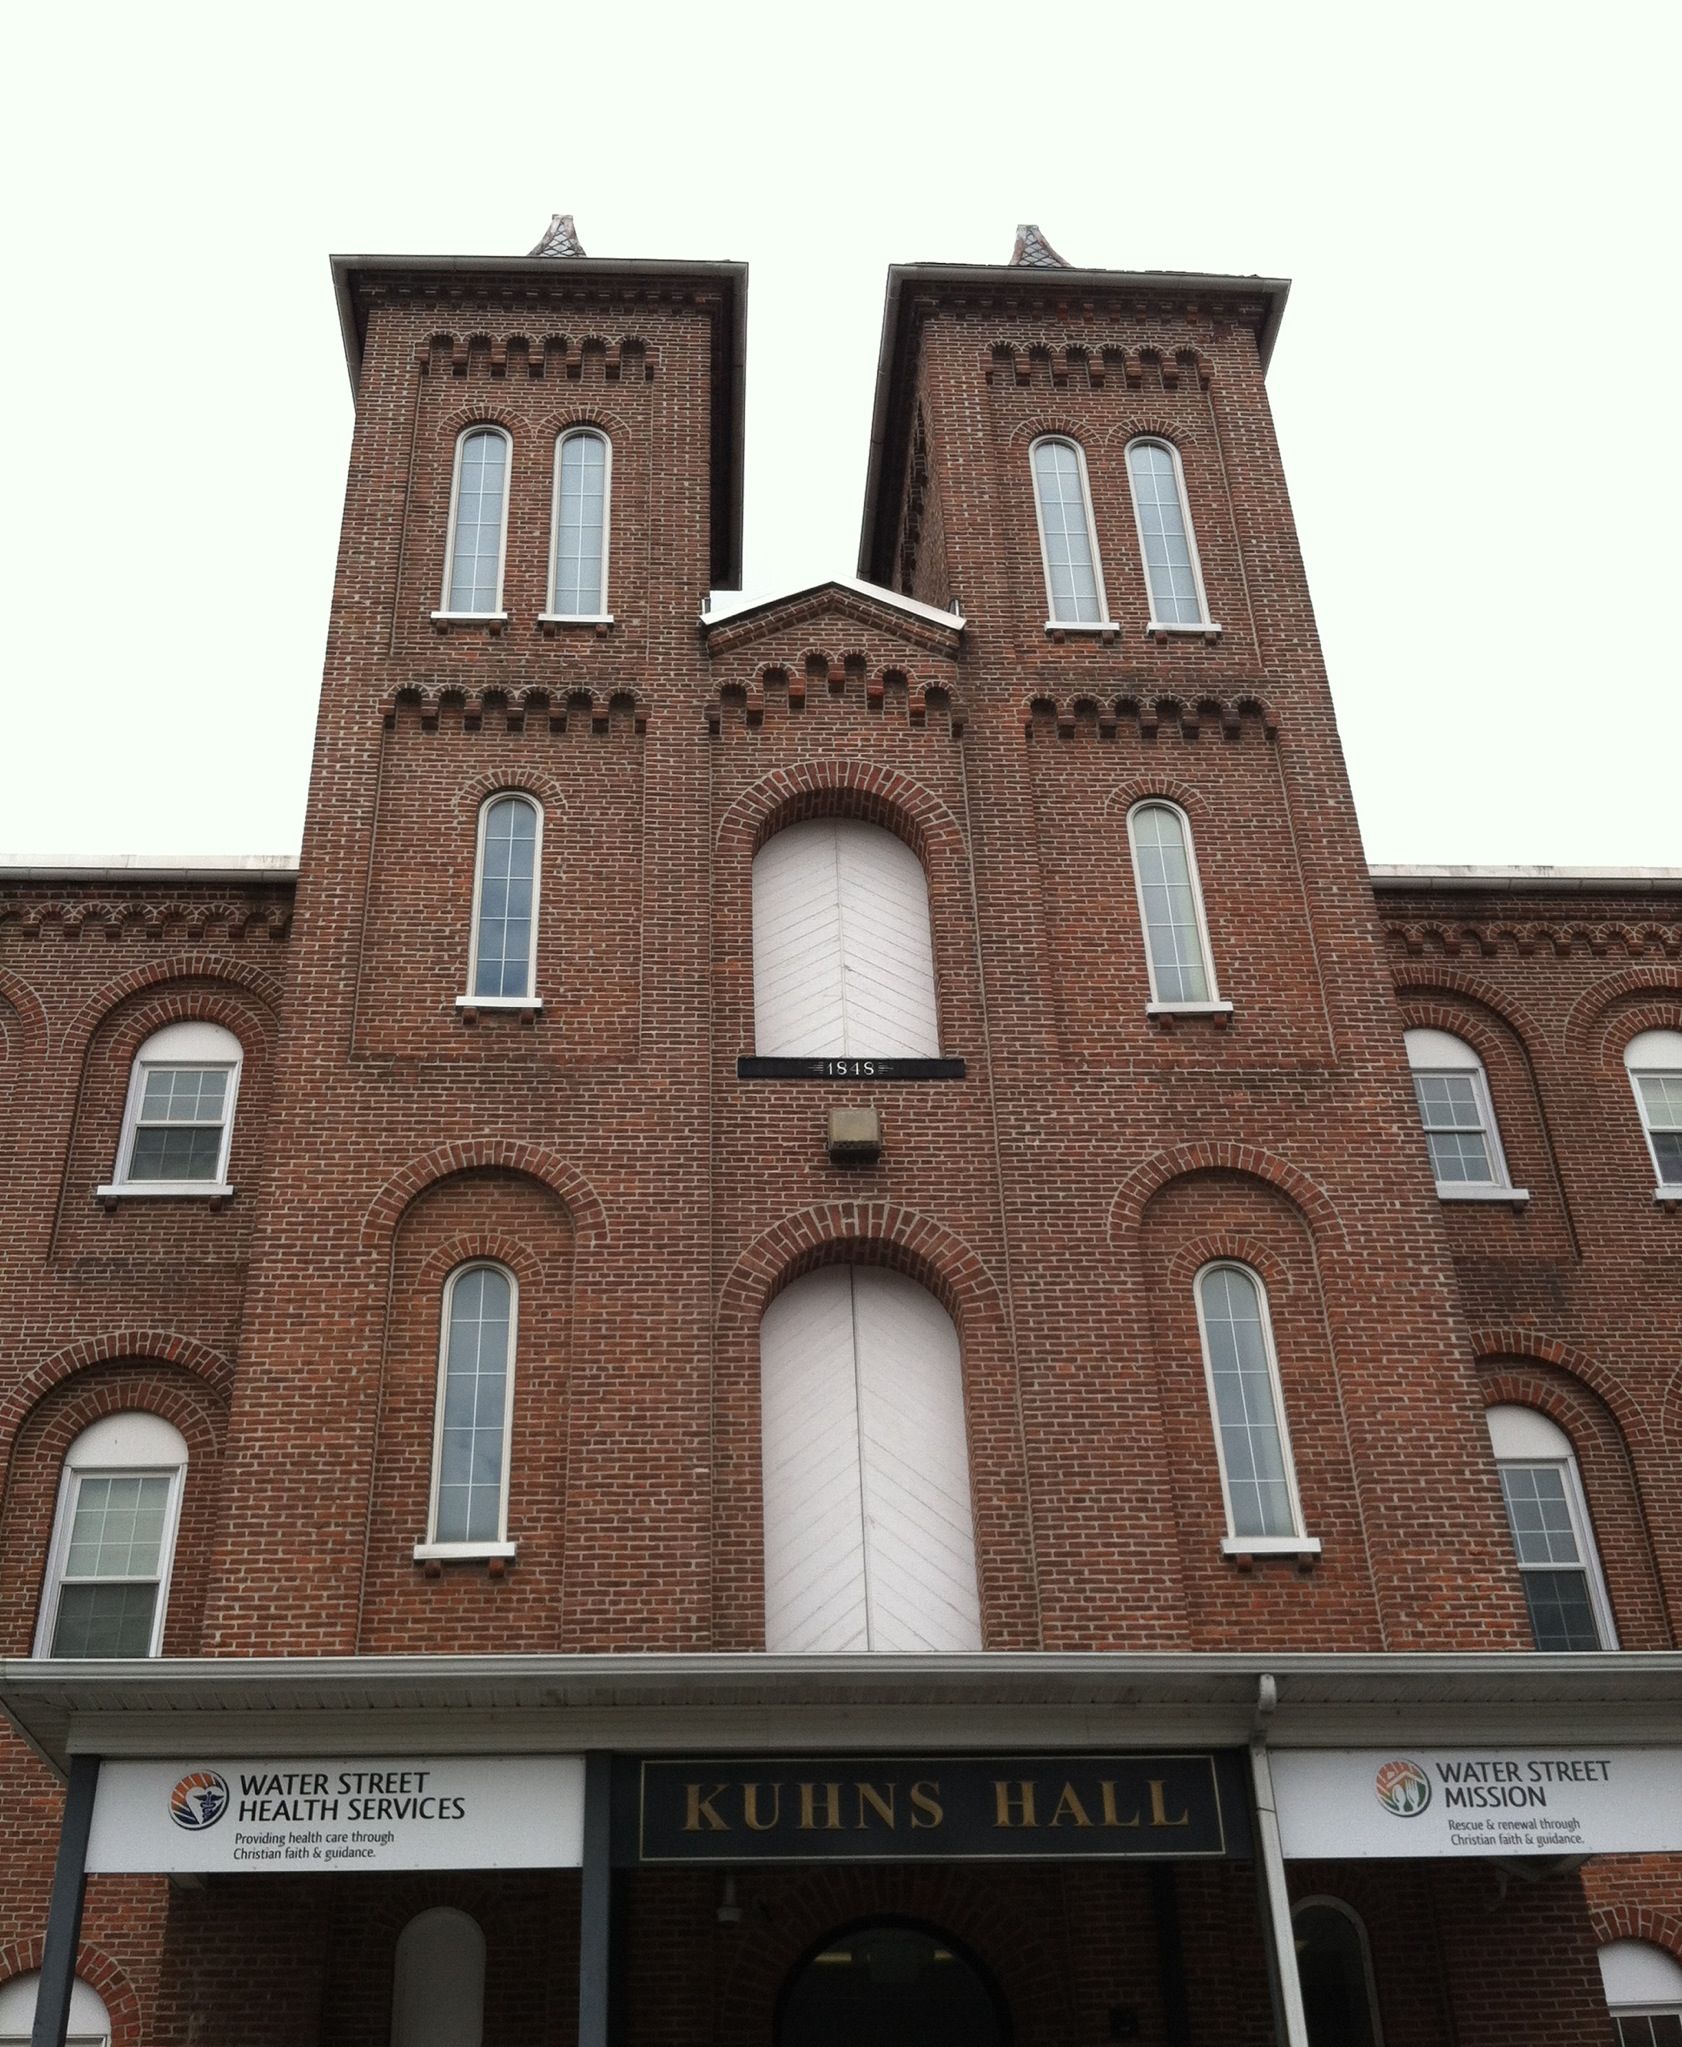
178,1124
1552,1534
90,2022
843,959
578,557
1334,1965
475,1414
894,1986
1458,1116
1167,547
503,954
1654,1063
438,1981
478,524
119,1504
1074,582
1251,1440
1644,1993
1182,969
869,1535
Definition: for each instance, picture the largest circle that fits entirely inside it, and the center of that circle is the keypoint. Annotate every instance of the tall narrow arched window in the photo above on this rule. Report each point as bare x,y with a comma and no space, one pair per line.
843,959
578,549
888,1985
90,2022
1251,1440
478,523
869,1533
1643,1992
1553,1538
438,1981
1458,1116
1654,1064
475,1414
113,1543
1173,574
503,954
1074,581
178,1124
1334,1966
1182,970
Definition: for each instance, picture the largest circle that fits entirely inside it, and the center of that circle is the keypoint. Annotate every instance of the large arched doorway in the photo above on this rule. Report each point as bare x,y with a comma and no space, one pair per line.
889,1984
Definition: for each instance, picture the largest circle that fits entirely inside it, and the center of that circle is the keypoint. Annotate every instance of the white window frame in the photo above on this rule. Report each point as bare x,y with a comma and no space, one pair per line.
190,1043
1323,1901
501,1547
1427,1054
552,615
1299,1542
531,999
1212,1005
108,1449
1522,1435
90,2022
444,615
1205,623
1103,623
1658,1058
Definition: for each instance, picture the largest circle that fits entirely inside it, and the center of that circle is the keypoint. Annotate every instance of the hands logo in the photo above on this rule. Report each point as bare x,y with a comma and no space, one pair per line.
1403,1789
199,1800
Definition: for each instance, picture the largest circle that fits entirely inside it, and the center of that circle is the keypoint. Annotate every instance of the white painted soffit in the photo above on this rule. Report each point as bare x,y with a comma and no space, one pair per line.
489,1703
734,604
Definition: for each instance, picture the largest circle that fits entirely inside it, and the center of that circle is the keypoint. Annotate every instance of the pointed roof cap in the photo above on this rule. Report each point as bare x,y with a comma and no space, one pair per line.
559,238
1034,252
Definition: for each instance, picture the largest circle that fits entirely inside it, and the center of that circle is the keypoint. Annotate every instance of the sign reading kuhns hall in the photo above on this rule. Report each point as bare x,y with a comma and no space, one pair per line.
1412,1803
937,1808
439,1812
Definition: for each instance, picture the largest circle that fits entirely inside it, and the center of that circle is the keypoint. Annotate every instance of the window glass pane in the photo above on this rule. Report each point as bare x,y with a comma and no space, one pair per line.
1071,574
1661,1100
1169,899
104,1620
580,525
184,1094
507,895
1540,1514
1251,1442
1332,1967
1162,529
476,558
1561,1615
118,1527
1451,1109
163,1153
475,1406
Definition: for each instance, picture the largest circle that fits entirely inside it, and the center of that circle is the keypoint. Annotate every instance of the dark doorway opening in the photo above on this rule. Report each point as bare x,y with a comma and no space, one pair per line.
890,1984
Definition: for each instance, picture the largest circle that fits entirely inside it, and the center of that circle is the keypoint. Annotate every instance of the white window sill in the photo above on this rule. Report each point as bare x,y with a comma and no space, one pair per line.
1105,628
499,1002
1270,1546
1201,632
1514,1197
1668,1196
164,1190
1188,1009
490,618
461,1552
575,618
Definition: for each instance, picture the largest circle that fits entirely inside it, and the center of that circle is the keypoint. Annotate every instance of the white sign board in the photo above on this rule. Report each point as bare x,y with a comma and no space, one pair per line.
356,1812
1341,1804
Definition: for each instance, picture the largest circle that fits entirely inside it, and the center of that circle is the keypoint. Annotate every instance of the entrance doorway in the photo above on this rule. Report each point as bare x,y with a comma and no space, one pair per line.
887,1984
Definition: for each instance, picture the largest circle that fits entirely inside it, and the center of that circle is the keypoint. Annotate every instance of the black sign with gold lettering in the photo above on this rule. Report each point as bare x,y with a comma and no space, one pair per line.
933,1808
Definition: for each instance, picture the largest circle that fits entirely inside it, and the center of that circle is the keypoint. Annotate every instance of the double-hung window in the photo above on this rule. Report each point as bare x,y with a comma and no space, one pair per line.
179,1120
502,962
478,540
1252,1443
578,551
1552,1537
473,1421
113,1539
1074,582
1167,546
1654,1064
1182,967
1458,1116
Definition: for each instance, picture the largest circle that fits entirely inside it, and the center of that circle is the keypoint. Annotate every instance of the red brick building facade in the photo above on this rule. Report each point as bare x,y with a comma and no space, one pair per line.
1156,1087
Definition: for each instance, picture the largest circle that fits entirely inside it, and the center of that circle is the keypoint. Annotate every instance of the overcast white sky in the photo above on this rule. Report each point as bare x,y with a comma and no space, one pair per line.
1475,385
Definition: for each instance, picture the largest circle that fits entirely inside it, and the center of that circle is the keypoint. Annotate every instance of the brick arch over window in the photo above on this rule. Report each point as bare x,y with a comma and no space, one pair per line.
1651,1923
1634,1420
840,788
581,1201
1127,1210
188,966
880,1233
1599,1014
515,782
1158,789
31,1014
1624,1538
97,1970
140,1346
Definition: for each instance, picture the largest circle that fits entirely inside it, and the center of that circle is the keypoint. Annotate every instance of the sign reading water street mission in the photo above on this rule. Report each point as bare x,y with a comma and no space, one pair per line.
937,1808
352,1812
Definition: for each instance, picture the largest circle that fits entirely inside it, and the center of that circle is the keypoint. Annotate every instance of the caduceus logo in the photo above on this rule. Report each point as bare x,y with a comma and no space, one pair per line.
1403,1789
199,1800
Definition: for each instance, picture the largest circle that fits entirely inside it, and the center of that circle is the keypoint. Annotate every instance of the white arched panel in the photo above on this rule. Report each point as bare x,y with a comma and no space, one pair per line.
438,1991
869,1529
1635,1972
90,2022
843,963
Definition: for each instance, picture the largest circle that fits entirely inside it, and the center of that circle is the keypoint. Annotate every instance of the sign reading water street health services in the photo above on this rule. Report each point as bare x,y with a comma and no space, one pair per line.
936,1808
359,1812
1404,1803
